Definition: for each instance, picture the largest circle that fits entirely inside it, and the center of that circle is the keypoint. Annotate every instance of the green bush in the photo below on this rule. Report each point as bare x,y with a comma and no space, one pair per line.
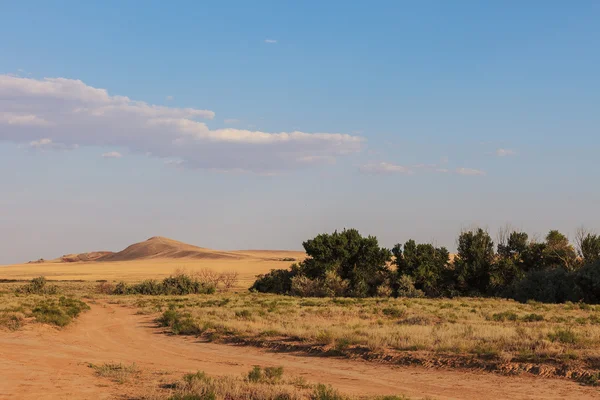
547,286
277,281
532,318
59,313
180,284
38,285
505,316
565,336
180,323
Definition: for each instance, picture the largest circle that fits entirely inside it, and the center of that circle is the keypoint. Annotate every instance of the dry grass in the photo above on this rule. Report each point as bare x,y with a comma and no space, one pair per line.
486,328
117,372
199,386
18,308
134,271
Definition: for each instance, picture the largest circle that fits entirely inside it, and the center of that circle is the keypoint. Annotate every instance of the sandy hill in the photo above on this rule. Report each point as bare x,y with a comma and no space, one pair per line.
161,247
158,247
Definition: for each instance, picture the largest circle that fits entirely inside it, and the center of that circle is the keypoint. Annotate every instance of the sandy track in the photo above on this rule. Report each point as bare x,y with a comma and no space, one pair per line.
44,363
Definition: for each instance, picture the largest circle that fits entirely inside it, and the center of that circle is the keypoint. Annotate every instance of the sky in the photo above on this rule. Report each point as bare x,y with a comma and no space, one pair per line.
257,125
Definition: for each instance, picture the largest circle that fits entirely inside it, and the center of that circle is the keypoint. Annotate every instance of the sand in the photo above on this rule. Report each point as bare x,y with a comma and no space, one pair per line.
43,362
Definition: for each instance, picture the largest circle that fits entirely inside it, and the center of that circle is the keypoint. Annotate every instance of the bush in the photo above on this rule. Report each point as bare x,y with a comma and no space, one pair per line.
59,313
505,316
38,286
532,318
271,375
105,288
180,323
588,282
229,279
549,286
565,336
406,287
277,281
179,284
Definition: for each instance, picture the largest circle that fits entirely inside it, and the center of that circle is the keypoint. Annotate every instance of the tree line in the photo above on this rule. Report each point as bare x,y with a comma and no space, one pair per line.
347,264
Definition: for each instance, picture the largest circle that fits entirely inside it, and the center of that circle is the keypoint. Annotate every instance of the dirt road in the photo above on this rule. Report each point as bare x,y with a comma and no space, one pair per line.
43,363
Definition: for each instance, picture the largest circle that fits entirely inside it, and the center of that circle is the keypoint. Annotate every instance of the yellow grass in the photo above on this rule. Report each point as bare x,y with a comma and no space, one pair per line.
496,328
259,262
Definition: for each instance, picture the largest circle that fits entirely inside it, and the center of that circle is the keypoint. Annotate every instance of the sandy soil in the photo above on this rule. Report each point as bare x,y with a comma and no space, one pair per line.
41,362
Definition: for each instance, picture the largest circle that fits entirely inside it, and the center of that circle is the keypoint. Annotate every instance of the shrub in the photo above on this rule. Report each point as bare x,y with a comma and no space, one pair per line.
38,285
178,284
256,374
323,392
505,316
277,281
565,336
303,286
588,282
105,288
533,318
11,320
406,287
229,279
179,323
119,373
59,313
548,286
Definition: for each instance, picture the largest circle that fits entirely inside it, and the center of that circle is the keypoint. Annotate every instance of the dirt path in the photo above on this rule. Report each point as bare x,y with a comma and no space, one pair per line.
45,363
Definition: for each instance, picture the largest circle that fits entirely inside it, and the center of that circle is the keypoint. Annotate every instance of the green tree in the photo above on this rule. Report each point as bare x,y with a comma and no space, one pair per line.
474,261
424,263
588,246
559,252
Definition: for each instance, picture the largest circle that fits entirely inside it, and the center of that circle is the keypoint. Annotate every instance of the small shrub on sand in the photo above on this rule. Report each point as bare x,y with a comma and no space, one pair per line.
256,386
180,323
59,313
38,285
119,373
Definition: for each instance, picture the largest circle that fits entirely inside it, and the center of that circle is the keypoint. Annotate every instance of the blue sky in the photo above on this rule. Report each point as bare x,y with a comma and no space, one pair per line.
411,120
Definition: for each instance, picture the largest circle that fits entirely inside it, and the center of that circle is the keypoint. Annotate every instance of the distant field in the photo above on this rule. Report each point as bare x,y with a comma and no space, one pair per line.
155,258
138,270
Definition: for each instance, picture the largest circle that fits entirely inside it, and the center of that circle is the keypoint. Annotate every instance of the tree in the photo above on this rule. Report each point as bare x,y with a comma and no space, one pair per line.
473,262
559,252
588,246
359,260
338,263
425,264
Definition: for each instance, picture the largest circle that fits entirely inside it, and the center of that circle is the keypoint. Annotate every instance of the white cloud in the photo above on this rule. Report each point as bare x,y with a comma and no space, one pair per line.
70,112
385,168
48,144
389,168
112,154
169,98
40,143
469,171
24,119
270,41
505,152
231,121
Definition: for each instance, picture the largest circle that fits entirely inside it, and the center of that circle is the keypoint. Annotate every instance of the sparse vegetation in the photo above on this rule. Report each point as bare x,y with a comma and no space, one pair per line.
417,329
117,372
256,385
178,284
38,285
38,301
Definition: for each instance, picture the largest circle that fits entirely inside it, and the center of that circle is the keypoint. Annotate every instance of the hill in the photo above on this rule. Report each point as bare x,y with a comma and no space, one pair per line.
159,247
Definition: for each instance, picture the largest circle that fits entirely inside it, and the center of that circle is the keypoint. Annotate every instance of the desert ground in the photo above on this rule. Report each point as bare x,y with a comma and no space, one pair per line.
117,350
